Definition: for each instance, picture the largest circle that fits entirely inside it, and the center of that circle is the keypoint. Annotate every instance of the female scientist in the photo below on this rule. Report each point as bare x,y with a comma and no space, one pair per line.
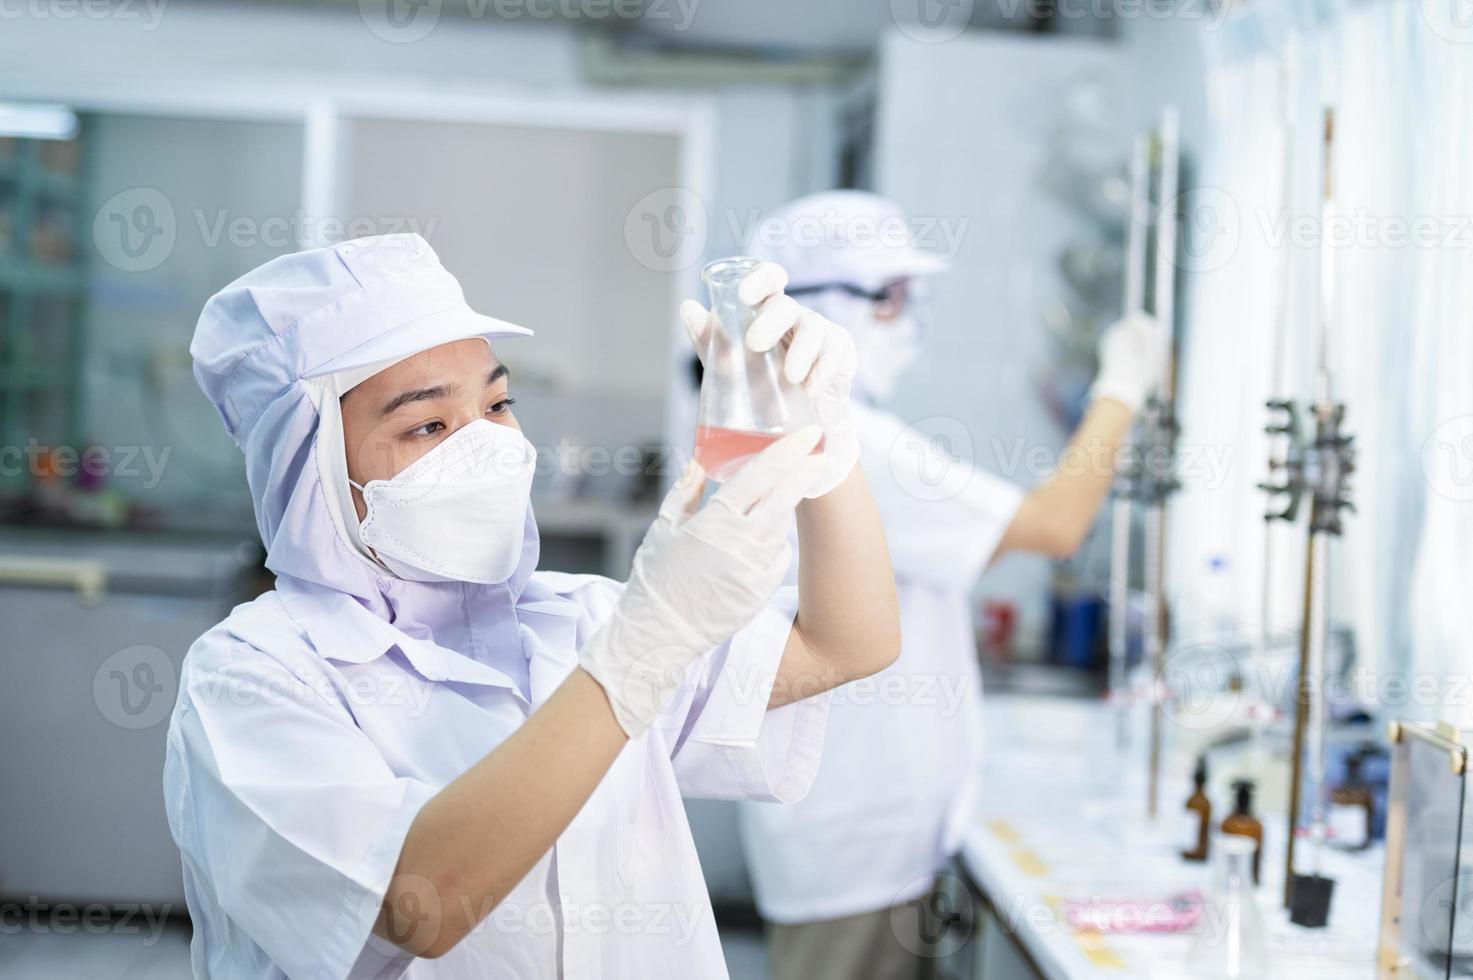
835,874
420,757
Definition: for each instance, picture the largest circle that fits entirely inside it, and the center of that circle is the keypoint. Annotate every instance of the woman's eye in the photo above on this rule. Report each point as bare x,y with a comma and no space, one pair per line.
497,407
428,429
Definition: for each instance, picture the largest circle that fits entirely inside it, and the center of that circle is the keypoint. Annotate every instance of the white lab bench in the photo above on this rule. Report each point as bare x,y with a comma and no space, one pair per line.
1063,820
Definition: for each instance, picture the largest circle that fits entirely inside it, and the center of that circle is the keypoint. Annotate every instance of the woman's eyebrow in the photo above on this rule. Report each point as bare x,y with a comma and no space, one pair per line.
438,391
417,395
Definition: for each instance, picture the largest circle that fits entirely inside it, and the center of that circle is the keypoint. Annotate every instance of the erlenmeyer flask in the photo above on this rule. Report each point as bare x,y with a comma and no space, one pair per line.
746,404
1230,938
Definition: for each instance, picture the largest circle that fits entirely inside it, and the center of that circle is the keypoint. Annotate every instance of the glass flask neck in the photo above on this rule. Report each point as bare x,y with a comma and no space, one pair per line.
724,274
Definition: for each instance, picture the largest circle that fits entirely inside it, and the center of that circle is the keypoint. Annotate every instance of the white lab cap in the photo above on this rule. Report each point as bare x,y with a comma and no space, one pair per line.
339,310
850,237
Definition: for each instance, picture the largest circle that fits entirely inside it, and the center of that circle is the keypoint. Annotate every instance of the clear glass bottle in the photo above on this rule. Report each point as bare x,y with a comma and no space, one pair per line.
746,403
1230,935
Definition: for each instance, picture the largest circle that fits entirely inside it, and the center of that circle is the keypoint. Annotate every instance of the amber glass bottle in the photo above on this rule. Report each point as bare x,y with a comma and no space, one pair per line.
1243,823
1199,816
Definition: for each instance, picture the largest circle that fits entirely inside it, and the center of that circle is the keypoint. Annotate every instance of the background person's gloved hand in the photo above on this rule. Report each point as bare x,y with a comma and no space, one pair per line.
699,576
820,357
1133,353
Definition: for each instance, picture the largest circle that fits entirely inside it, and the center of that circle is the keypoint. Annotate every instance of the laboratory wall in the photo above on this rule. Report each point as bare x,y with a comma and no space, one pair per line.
978,186
139,390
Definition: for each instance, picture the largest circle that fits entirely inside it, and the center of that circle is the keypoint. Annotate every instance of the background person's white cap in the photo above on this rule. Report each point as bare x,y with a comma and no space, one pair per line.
345,308
852,237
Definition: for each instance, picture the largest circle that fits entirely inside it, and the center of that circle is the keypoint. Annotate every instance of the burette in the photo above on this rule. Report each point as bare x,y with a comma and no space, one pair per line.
1158,470
1145,471
1258,673
1122,507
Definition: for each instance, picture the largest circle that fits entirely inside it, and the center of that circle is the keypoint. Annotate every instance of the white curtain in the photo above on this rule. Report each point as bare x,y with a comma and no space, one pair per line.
1401,348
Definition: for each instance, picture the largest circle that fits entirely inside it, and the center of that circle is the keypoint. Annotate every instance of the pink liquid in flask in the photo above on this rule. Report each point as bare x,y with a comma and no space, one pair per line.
721,452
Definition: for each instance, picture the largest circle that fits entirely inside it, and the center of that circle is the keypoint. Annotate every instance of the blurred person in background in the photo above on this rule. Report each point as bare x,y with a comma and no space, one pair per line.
836,875
419,756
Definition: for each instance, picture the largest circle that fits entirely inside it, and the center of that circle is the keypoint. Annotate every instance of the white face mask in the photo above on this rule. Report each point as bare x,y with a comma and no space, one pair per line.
458,513
886,351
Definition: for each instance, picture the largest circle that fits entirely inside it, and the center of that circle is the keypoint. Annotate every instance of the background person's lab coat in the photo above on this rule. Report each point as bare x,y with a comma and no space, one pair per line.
902,761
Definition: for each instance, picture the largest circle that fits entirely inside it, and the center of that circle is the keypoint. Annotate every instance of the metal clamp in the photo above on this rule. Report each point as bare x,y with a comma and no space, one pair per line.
1320,467
1147,473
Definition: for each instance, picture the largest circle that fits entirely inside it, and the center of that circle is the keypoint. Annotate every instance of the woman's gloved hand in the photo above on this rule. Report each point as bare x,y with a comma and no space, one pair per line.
819,356
699,576
1132,356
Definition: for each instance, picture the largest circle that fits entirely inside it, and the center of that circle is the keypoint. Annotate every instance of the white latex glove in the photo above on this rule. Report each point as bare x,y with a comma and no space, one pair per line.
819,356
1132,357
699,576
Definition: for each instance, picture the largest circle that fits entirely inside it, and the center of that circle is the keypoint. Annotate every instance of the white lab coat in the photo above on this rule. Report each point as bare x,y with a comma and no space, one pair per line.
309,732
899,776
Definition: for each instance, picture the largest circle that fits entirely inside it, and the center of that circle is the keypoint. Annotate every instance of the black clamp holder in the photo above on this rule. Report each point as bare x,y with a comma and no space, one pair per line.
1146,471
1320,467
